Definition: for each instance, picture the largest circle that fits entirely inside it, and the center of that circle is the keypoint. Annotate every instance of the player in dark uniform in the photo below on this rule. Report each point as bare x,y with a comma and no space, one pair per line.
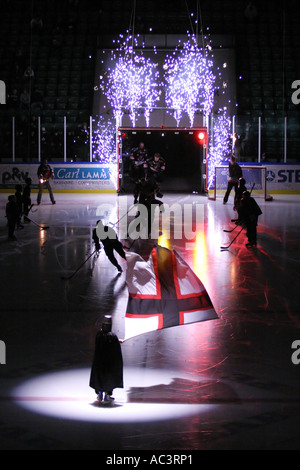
249,212
155,168
145,193
143,190
19,197
27,199
11,213
45,173
138,157
235,173
238,197
110,241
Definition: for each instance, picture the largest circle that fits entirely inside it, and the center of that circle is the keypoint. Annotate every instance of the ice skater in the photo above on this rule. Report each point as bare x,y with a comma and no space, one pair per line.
249,213
143,190
145,193
235,172
238,197
107,366
26,199
12,213
110,242
19,198
138,159
45,173
155,168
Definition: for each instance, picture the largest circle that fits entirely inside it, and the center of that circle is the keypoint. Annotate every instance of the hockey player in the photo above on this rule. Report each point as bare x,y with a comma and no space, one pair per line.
235,172
109,239
238,196
26,199
19,201
45,173
143,190
138,158
145,193
11,213
155,168
249,213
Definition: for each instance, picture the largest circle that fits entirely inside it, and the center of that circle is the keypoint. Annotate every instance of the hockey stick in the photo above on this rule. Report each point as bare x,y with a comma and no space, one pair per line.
252,188
226,247
66,278
121,217
229,231
45,227
128,247
41,226
31,208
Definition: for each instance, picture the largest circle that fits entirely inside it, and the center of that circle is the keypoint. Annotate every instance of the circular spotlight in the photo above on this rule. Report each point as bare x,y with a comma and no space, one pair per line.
66,395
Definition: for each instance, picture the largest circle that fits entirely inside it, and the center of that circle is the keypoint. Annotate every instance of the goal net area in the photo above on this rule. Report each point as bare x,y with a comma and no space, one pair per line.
255,177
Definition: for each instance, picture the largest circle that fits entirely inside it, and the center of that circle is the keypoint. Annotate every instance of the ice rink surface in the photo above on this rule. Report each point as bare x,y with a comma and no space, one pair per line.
228,384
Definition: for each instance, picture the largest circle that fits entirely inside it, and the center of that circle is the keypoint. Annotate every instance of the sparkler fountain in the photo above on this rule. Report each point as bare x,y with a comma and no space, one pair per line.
132,83
190,80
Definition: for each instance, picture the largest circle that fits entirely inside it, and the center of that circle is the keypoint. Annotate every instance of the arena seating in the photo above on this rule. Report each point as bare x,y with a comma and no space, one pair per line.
62,55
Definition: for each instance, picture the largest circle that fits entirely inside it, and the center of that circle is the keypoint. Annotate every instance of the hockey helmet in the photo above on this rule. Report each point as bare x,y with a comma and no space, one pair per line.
107,323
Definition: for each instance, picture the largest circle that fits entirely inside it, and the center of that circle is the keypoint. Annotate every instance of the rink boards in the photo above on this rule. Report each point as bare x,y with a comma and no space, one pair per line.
68,177
281,178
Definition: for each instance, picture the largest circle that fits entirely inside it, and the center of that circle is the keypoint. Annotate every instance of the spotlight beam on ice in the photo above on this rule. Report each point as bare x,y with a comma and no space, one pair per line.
66,395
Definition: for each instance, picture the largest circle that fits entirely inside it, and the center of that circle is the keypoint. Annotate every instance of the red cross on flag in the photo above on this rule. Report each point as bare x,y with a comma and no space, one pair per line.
163,292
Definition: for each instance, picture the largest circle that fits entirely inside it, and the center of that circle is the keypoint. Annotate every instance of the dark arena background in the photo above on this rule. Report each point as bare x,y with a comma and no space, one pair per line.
206,308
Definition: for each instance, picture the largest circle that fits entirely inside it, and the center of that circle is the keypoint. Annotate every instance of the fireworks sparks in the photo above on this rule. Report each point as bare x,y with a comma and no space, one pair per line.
132,83
190,80
220,145
104,141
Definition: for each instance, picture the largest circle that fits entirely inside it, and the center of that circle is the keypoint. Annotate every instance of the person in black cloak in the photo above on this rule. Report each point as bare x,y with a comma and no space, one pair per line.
249,212
107,366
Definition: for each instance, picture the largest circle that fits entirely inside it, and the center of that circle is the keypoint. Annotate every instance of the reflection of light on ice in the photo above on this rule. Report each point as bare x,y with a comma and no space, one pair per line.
66,394
200,255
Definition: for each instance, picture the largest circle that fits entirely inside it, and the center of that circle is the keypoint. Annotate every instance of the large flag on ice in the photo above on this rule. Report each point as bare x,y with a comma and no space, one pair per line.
163,292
